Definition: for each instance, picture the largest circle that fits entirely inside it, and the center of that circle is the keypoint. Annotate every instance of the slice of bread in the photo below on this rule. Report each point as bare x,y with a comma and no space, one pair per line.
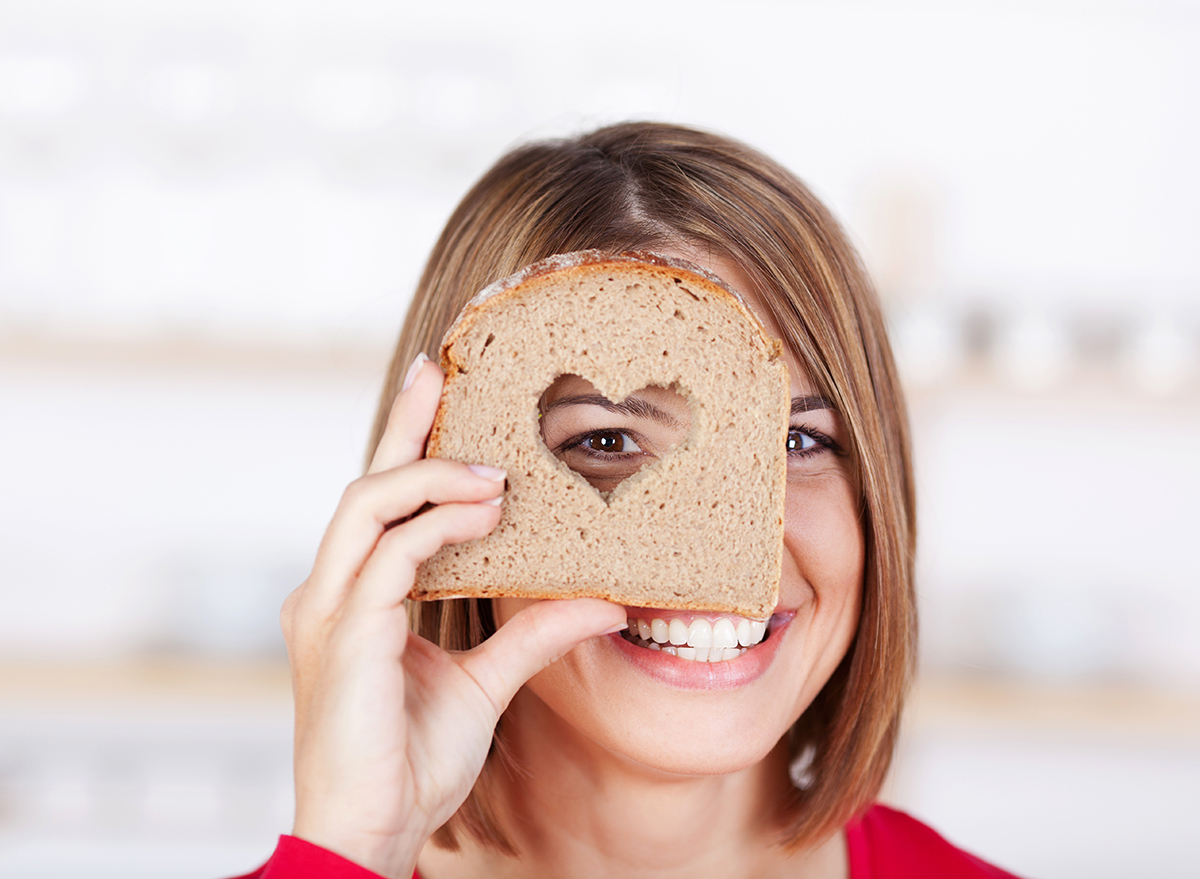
701,529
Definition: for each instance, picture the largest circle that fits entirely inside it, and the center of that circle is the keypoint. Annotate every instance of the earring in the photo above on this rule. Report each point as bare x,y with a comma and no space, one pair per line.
800,769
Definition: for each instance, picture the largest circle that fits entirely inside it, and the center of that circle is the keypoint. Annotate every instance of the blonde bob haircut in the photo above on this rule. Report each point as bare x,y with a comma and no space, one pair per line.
638,186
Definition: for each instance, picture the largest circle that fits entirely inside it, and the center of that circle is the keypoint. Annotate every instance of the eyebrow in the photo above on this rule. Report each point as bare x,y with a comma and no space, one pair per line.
811,403
633,406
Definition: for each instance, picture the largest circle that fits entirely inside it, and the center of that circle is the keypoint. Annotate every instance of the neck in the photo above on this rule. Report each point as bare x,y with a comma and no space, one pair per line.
576,809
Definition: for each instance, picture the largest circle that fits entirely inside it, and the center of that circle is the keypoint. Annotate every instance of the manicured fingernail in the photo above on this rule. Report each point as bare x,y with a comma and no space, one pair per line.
411,375
495,474
621,626
494,501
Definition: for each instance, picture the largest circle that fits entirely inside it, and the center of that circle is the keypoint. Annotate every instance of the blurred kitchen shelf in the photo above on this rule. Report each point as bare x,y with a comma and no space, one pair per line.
1007,705
937,701
242,352
168,681
46,347
1095,383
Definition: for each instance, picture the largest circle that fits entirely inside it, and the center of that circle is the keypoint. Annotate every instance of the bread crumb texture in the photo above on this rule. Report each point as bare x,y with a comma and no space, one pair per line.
701,529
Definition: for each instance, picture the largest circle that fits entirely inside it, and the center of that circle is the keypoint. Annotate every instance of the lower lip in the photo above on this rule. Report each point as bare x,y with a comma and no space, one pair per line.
690,675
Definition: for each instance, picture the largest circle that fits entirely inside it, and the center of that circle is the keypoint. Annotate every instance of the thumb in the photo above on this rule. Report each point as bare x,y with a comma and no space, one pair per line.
537,636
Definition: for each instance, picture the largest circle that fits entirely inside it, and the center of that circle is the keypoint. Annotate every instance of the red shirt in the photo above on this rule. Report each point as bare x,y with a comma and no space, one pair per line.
882,844
887,844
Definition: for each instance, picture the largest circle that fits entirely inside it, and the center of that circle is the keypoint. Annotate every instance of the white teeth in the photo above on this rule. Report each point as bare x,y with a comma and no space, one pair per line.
723,634
700,634
702,641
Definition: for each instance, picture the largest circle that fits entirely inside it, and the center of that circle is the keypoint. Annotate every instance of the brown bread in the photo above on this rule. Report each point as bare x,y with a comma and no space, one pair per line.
702,529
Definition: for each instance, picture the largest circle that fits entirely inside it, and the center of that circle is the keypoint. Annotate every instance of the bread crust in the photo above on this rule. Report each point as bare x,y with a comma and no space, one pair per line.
512,561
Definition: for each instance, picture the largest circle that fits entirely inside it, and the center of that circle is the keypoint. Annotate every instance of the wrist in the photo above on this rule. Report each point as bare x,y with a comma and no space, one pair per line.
391,856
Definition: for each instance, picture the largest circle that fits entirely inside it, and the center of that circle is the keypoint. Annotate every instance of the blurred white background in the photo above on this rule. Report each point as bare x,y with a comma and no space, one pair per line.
212,215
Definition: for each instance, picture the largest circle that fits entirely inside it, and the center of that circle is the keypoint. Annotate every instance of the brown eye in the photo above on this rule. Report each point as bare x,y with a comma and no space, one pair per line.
611,441
799,441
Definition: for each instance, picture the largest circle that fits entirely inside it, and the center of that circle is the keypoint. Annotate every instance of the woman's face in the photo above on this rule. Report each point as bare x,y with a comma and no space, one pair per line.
626,694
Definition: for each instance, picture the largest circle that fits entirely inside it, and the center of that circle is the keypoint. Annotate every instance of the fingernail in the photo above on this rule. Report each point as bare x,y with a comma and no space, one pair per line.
495,474
624,624
494,501
411,375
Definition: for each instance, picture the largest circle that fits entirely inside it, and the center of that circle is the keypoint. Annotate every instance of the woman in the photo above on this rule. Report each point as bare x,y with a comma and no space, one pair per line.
536,748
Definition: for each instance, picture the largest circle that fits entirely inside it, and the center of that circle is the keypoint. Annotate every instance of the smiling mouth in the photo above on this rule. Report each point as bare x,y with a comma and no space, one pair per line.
702,639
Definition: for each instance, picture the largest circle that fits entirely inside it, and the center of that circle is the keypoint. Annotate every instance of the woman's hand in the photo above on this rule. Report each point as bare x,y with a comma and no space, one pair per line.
391,730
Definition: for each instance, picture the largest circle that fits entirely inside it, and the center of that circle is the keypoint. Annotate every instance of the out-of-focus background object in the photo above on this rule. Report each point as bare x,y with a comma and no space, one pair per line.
212,215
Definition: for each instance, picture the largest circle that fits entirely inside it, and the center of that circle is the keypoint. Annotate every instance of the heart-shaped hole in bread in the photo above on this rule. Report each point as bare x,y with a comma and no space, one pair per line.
605,441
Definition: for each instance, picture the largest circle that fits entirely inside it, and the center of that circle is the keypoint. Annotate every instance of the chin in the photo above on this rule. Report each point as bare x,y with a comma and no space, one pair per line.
683,749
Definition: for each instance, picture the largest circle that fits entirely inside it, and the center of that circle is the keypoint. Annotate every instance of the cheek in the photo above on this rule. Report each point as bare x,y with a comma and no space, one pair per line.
823,546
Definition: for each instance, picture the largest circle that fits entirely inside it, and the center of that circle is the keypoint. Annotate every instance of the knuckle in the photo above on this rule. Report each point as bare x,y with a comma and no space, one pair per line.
403,541
287,613
302,615
356,492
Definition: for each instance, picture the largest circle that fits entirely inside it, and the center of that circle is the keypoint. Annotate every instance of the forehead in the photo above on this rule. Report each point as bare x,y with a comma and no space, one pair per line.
567,386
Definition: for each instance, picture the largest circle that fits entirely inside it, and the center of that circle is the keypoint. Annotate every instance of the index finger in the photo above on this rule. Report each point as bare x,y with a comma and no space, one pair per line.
411,417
